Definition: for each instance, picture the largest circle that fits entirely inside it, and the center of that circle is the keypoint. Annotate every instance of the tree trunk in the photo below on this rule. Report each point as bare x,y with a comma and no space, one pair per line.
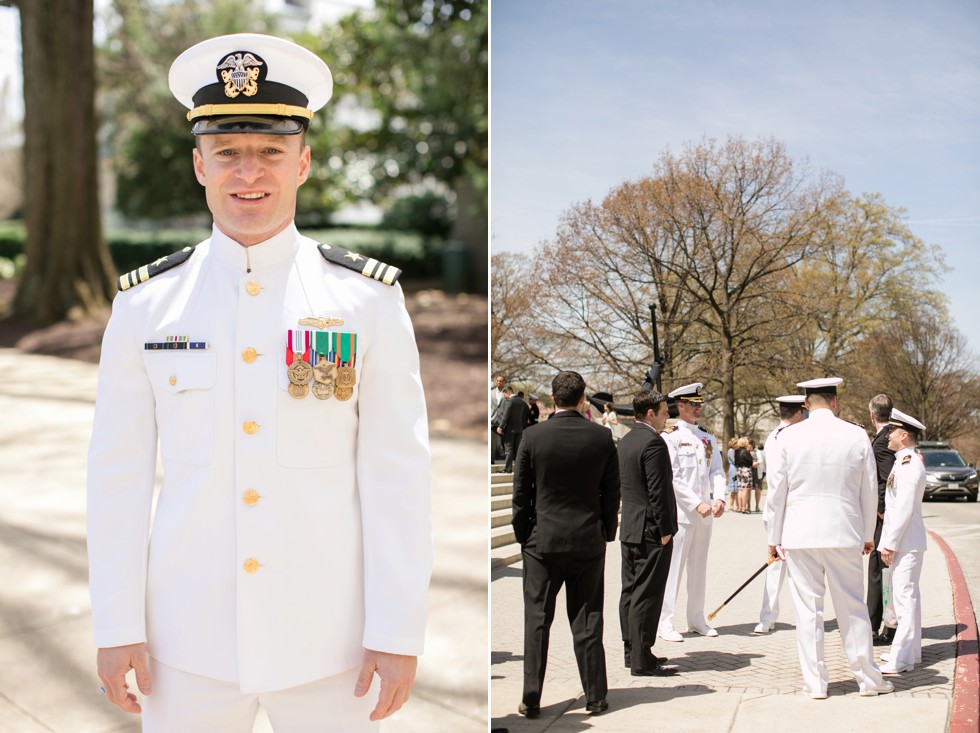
470,226
68,265
727,372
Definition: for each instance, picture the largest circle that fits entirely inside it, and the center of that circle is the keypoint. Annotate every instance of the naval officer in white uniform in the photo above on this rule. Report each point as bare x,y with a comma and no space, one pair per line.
903,540
700,487
791,411
291,543
824,497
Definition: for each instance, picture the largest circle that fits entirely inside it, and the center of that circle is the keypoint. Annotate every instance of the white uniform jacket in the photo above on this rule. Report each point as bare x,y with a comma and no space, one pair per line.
772,457
823,489
698,472
904,530
289,534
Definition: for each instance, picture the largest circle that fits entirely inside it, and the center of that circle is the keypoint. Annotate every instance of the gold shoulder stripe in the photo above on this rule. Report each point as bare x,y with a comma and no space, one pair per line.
144,273
907,459
671,429
367,266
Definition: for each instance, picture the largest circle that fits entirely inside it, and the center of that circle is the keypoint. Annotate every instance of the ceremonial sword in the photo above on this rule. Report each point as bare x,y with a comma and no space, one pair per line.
768,562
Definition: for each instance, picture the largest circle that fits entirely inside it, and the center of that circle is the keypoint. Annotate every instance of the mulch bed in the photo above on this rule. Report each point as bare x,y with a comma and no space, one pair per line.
451,331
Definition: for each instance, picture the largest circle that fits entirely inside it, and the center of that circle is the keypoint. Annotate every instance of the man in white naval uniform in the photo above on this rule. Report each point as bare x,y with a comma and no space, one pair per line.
791,411
823,494
700,487
291,543
903,540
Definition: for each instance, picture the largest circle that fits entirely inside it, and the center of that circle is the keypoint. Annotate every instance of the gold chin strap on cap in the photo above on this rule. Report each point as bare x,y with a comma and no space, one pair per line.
278,110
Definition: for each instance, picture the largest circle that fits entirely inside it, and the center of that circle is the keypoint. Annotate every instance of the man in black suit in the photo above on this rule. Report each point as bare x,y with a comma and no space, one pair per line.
881,410
566,502
649,521
514,415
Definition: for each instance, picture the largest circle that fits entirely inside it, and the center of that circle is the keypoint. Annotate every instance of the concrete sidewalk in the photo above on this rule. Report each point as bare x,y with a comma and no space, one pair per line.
735,682
47,663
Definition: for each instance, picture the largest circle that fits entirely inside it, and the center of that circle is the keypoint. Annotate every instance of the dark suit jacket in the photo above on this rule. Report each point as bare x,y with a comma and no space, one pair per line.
566,485
885,458
647,485
513,415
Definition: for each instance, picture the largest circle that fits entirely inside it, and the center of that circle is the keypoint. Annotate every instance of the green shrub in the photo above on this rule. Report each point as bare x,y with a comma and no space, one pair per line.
419,257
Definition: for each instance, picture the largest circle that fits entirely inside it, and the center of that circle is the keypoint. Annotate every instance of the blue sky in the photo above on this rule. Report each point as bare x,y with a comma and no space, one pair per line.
585,95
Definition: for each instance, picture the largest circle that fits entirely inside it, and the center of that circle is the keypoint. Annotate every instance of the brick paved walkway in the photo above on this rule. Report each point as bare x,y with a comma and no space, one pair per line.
734,669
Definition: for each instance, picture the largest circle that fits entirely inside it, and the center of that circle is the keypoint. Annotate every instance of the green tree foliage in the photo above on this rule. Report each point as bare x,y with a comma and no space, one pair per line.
411,105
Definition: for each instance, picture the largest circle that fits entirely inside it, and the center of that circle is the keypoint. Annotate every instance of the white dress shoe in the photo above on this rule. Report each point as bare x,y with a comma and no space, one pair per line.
703,630
670,635
762,628
888,657
895,668
885,687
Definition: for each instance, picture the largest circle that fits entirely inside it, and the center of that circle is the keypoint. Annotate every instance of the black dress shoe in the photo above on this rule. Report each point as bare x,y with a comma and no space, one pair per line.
599,706
528,712
654,657
655,670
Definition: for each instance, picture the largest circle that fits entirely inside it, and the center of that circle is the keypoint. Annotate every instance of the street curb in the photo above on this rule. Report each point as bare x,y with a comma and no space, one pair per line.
965,713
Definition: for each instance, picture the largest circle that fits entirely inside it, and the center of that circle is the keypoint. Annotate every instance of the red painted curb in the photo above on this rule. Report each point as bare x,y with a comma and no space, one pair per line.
965,715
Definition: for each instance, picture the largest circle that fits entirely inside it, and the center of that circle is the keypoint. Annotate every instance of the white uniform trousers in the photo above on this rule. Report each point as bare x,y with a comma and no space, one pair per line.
775,575
907,644
690,555
810,572
189,703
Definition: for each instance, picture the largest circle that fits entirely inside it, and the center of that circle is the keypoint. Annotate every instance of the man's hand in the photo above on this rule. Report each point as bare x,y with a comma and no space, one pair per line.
397,673
114,662
773,553
500,431
717,508
665,539
868,547
887,556
703,509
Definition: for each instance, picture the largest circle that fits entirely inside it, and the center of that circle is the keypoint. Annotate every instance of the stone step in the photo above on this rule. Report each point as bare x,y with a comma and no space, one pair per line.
500,502
505,555
500,518
501,478
501,489
500,536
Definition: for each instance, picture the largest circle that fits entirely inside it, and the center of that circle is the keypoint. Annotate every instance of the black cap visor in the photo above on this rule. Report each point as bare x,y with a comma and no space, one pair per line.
244,124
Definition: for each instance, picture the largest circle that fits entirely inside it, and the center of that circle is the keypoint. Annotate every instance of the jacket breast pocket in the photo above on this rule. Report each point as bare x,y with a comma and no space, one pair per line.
183,385
312,432
687,458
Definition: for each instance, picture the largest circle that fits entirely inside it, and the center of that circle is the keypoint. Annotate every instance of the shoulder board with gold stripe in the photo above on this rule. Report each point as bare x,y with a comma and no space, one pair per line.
907,459
669,430
144,273
367,266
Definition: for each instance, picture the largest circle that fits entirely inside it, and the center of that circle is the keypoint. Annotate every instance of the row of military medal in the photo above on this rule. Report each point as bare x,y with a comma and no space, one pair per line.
322,363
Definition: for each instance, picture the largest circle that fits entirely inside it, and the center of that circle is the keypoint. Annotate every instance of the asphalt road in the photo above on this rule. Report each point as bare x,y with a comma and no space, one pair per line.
958,522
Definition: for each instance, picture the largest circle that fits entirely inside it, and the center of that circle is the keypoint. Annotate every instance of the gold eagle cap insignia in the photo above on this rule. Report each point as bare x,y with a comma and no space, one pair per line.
240,74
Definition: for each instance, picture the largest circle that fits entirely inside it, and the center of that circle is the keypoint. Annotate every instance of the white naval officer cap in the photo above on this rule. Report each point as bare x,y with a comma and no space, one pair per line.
900,420
250,83
689,393
824,385
791,399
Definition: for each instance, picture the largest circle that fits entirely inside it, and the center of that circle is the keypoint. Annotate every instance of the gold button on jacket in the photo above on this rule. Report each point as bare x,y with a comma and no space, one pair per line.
252,287
251,427
250,355
251,565
251,497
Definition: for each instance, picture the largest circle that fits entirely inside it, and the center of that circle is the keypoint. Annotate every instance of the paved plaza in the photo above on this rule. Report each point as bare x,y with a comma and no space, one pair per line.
738,681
